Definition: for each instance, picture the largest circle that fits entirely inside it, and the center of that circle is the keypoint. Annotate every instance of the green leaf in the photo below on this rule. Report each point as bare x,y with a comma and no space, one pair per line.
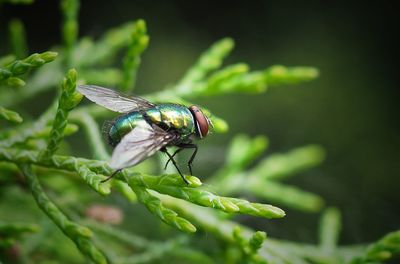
279,166
382,251
7,59
79,234
139,42
329,229
243,150
286,195
278,74
14,82
10,115
210,60
18,38
15,228
68,100
156,207
70,10
208,199
92,130
103,77
256,240
87,53
26,131
94,180
20,67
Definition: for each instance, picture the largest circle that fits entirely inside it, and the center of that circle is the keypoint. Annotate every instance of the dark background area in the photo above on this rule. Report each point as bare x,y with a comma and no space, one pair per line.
351,110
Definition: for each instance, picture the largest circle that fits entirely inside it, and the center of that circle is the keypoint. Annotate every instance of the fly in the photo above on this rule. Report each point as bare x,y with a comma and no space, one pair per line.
145,128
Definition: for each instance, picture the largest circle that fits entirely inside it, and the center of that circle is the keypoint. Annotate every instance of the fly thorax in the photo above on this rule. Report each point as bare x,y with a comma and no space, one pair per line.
172,117
152,115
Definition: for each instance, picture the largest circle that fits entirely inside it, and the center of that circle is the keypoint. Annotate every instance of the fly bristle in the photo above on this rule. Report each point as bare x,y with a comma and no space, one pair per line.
107,125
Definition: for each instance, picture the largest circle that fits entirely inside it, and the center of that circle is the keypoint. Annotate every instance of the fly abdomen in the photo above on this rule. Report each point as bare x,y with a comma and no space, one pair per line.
108,132
113,136
123,125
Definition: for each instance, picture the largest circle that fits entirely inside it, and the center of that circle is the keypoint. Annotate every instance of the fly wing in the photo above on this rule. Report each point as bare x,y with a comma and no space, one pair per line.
139,144
113,100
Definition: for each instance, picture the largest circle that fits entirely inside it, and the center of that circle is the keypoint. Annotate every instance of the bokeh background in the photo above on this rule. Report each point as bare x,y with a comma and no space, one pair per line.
351,110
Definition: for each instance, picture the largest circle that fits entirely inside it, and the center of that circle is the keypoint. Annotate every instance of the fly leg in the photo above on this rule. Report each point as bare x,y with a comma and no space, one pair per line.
192,158
112,175
171,158
190,162
173,155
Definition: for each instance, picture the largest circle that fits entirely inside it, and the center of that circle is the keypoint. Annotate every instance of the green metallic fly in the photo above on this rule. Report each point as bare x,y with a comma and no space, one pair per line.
144,128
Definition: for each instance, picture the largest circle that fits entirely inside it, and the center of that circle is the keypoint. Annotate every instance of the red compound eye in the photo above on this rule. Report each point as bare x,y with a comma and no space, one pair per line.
201,121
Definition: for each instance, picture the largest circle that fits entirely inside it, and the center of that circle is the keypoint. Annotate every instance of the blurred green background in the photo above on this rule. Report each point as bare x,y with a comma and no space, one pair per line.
350,110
